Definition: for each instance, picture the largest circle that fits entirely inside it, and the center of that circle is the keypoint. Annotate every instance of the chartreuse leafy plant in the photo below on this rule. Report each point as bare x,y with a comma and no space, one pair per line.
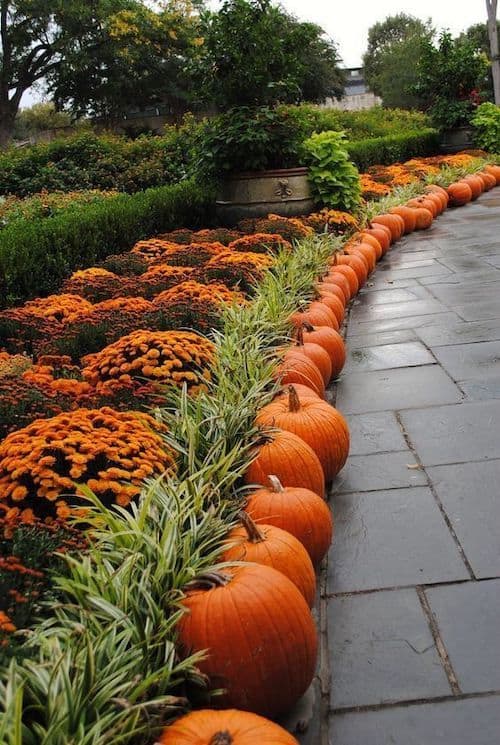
105,668
486,122
334,179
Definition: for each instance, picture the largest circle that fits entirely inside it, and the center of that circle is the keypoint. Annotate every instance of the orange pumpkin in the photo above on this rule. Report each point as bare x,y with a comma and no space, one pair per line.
393,222
348,273
382,234
336,305
442,193
299,511
260,634
316,313
226,727
316,354
331,341
408,216
318,423
488,180
297,367
303,391
366,237
332,290
424,202
338,280
366,252
272,547
494,170
436,198
476,185
423,218
459,193
362,259
292,460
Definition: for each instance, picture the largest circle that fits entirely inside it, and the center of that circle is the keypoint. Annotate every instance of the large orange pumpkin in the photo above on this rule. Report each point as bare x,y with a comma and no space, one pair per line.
331,341
333,290
367,252
348,273
459,193
226,727
494,170
488,180
357,261
316,312
299,511
303,391
436,198
382,234
393,222
423,218
333,302
476,185
291,459
272,547
425,202
442,193
259,633
408,216
366,237
316,354
338,280
297,367
318,423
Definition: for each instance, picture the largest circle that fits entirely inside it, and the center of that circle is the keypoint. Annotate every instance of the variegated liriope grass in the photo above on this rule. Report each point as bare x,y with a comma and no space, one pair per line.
105,668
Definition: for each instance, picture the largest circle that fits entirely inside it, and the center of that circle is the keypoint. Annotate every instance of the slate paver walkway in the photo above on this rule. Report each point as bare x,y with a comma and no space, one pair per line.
410,606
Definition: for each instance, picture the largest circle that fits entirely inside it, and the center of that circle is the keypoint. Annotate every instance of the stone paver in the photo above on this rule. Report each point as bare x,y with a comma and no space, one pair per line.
412,591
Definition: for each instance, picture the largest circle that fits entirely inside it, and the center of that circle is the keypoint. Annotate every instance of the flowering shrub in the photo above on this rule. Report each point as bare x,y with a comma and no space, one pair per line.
167,357
111,452
23,400
13,364
215,235
290,228
333,221
55,307
97,284
194,254
235,269
260,243
160,277
125,265
153,248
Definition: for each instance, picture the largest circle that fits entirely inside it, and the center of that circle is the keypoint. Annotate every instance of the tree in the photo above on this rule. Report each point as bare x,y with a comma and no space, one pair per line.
478,36
394,49
449,77
39,118
254,53
93,54
491,9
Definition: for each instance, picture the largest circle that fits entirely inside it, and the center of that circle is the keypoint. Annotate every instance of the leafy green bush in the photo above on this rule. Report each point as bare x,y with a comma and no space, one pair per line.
393,148
36,255
334,179
486,122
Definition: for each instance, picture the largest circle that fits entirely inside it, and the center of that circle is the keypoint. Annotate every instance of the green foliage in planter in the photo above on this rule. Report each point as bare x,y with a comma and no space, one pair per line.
393,148
248,139
486,122
334,179
35,256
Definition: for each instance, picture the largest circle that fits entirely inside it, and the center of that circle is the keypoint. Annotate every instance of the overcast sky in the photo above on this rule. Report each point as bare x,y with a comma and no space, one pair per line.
348,21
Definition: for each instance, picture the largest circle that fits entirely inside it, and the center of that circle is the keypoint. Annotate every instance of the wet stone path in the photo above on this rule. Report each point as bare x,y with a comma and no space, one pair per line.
410,602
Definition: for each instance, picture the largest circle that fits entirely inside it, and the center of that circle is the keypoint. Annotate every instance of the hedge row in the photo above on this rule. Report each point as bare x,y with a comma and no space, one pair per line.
393,148
37,255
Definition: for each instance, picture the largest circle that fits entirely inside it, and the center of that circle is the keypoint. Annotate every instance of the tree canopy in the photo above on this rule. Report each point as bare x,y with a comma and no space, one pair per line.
254,53
394,49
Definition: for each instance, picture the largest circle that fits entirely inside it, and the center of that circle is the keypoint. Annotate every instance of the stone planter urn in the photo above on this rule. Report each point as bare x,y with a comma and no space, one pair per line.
255,194
456,139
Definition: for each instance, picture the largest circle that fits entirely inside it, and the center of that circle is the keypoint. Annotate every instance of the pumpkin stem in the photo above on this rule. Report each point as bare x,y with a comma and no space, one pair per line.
221,738
208,581
306,326
253,532
300,336
293,399
275,483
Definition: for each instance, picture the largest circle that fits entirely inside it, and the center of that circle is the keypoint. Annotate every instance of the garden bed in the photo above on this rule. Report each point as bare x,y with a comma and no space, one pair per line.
75,364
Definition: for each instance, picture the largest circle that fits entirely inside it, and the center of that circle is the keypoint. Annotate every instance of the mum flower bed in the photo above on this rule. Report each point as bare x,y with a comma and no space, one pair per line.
151,568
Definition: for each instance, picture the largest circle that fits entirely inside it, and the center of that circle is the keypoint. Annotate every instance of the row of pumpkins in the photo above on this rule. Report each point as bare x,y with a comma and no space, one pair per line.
255,617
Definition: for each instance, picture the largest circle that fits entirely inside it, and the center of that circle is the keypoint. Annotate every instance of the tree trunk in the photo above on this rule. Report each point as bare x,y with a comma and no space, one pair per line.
491,7
6,128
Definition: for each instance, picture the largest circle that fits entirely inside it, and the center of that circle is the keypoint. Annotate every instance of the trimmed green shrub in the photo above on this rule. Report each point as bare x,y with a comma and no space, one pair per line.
334,179
36,255
393,148
486,122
